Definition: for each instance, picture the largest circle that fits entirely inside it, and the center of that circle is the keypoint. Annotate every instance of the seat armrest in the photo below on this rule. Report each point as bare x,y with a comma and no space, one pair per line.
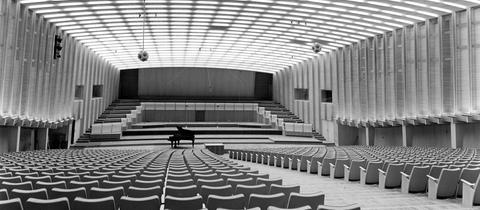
472,185
432,178
362,169
332,165
381,171
347,167
405,175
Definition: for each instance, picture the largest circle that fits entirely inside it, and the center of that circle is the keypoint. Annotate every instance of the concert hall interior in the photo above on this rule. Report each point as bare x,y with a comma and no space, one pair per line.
239,104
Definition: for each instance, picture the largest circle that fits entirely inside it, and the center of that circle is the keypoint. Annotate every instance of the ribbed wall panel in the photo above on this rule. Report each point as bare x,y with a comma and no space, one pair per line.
35,86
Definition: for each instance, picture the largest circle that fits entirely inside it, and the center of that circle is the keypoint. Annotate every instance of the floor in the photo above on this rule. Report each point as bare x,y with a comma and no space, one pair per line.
339,192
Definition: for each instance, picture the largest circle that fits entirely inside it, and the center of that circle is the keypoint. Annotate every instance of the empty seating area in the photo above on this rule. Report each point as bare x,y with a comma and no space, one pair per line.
438,173
141,179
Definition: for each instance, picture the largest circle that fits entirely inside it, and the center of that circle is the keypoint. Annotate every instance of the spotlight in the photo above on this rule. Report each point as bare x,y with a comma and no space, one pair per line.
316,47
143,55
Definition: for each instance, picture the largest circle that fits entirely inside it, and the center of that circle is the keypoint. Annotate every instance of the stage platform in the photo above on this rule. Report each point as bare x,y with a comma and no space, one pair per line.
200,124
213,130
200,140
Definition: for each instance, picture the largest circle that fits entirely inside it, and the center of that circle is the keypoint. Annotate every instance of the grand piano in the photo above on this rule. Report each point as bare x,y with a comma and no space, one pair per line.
181,134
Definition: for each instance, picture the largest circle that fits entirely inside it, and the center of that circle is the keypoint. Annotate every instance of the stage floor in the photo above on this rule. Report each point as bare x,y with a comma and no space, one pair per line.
202,139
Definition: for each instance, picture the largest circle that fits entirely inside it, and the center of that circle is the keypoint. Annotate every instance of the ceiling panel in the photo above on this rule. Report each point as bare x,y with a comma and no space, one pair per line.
253,35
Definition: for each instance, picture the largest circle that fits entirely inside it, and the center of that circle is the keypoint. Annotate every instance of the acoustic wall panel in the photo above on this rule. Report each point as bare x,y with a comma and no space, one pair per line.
35,86
462,64
475,52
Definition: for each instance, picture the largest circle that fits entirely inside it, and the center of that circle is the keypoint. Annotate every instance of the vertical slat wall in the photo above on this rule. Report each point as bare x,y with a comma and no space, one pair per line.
35,86
427,69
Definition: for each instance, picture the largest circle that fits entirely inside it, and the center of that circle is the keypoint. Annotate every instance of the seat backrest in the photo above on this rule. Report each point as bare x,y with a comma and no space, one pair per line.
22,185
24,195
148,183
298,208
346,207
232,201
144,203
3,194
180,183
225,190
50,204
407,169
140,192
269,182
71,194
177,203
107,203
116,192
12,204
264,201
111,184
285,189
87,184
247,190
187,191
11,179
211,182
447,183
312,199
35,179
435,170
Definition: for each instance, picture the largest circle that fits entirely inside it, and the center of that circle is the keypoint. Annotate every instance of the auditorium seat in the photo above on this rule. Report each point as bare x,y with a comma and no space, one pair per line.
107,203
70,194
205,191
285,189
44,204
86,184
150,183
264,201
324,166
337,169
35,179
139,192
232,201
369,175
98,178
180,183
67,179
183,203
247,190
26,194
144,203
112,184
445,185
298,208
346,207
391,178
147,177
311,199
9,186
416,181
469,175
116,193
50,185
269,182
3,194
186,191
11,179
352,171
234,182
12,204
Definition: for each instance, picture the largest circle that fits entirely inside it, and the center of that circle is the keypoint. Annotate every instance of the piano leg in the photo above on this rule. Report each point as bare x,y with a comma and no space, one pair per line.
193,142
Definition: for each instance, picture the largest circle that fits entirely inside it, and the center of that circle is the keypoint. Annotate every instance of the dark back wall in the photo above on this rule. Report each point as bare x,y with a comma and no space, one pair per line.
194,83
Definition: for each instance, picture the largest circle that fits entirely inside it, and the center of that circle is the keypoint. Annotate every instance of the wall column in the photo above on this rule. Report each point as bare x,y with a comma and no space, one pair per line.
369,136
68,134
406,135
456,132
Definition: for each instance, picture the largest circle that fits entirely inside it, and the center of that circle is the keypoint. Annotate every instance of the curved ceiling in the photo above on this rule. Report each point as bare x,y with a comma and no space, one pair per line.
254,35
